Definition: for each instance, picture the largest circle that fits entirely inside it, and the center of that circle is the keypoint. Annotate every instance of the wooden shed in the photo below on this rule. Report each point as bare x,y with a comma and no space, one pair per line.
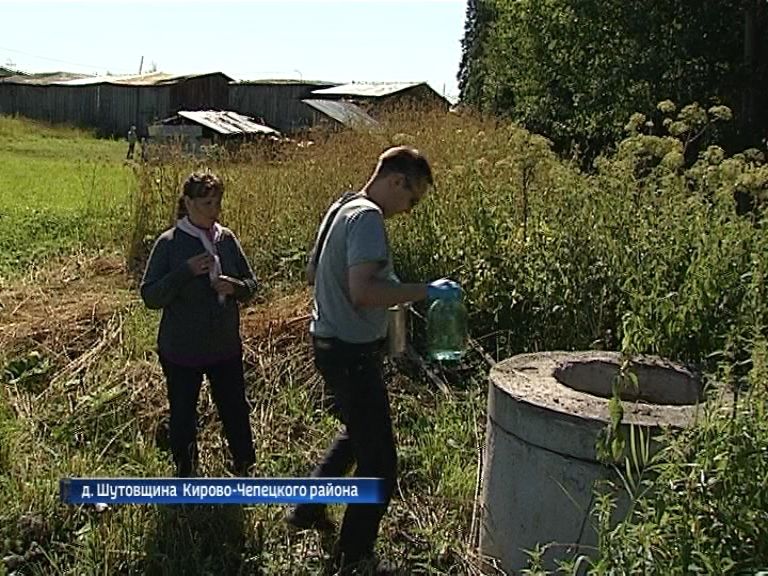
378,98
276,102
196,128
111,104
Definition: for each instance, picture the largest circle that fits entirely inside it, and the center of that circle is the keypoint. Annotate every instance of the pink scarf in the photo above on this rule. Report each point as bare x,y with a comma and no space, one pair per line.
186,226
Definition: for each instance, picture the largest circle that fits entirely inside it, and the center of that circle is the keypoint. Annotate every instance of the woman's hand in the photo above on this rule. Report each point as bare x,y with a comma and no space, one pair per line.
225,285
201,263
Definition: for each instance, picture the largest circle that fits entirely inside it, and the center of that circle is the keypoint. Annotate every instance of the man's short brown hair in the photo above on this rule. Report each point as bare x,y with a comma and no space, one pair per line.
406,161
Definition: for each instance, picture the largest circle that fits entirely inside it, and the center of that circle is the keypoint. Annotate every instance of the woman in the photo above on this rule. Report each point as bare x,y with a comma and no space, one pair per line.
197,273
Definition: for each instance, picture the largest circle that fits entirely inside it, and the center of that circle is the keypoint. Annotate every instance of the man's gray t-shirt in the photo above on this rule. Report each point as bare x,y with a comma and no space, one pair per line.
356,236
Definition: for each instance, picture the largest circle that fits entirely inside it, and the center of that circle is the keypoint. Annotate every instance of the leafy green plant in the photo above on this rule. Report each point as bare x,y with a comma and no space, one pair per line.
646,253
28,371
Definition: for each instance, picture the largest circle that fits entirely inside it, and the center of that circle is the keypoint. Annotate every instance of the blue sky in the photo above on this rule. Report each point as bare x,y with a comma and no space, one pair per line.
341,41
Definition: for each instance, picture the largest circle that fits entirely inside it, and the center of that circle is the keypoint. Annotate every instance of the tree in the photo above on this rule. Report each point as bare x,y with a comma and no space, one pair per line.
574,70
480,16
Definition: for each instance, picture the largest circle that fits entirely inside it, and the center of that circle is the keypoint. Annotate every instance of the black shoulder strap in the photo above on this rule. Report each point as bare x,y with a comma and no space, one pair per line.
347,197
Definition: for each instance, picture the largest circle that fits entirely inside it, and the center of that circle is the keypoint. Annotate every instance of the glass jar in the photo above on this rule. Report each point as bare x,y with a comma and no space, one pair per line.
446,329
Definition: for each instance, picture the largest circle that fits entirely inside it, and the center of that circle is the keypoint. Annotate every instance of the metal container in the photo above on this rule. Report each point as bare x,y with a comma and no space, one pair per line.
397,334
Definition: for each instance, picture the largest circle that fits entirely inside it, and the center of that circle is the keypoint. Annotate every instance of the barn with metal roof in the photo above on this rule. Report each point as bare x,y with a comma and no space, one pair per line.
197,128
111,104
276,102
380,97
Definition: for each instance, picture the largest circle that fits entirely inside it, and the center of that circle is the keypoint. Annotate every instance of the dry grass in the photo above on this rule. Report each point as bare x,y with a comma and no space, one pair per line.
98,407
60,309
73,313
64,310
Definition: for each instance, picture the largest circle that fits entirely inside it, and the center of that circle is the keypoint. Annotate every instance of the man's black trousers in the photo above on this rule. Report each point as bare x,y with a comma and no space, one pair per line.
357,396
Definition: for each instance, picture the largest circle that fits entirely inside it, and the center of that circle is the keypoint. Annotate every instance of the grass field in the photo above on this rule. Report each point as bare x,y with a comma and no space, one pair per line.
83,395
644,254
60,189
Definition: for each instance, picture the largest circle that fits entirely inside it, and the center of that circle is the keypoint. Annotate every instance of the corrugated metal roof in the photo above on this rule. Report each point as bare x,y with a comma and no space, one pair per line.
227,122
281,82
131,80
367,89
345,113
70,79
42,78
151,79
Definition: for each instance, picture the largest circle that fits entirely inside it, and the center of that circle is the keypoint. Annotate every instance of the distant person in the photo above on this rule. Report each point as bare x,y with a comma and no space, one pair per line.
354,284
131,142
197,274
144,149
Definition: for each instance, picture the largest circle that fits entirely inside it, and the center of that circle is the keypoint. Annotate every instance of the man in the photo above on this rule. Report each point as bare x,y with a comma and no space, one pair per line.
131,142
354,284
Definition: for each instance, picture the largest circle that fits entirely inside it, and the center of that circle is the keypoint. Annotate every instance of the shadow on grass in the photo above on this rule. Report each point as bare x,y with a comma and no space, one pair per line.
196,539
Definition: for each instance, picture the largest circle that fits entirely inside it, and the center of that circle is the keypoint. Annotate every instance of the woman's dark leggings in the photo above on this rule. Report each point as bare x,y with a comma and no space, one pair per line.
228,391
